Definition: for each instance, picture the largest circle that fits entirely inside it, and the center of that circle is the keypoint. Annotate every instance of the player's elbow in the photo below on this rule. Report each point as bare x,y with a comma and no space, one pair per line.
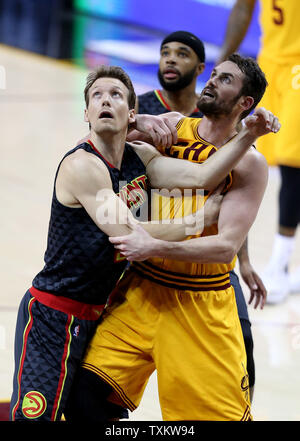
227,256
207,180
228,251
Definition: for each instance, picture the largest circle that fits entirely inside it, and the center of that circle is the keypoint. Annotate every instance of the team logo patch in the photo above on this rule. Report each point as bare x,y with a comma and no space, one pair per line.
34,404
245,383
245,379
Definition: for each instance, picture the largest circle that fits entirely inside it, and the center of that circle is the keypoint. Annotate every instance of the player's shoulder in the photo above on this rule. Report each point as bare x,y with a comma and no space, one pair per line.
186,122
254,156
252,163
81,163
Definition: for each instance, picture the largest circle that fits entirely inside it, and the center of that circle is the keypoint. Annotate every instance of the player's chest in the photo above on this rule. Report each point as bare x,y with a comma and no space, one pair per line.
189,149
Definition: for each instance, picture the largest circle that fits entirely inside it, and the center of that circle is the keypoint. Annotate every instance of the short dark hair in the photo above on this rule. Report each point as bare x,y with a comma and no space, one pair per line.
117,72
255,82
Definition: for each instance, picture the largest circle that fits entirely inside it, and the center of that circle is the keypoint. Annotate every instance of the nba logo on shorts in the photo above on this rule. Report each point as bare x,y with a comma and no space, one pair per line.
76,331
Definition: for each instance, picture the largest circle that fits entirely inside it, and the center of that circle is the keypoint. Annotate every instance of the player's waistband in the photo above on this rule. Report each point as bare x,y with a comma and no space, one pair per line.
80,310
185,282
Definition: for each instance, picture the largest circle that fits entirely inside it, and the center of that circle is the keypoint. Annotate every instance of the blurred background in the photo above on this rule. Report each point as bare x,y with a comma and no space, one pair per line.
122,32
46,50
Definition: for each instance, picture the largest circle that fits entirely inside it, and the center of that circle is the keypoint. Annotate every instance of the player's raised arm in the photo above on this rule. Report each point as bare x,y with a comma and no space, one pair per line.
237,26
170,173
238,212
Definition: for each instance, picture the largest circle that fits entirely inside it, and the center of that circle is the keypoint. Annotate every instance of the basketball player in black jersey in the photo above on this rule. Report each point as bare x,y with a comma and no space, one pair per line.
60,312
182,58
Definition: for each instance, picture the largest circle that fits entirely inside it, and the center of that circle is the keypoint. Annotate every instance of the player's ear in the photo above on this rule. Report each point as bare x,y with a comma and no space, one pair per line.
86,118
246,102
200,68
131,118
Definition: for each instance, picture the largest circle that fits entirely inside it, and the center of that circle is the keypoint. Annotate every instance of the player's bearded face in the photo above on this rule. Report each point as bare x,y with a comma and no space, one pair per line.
211,104
180,82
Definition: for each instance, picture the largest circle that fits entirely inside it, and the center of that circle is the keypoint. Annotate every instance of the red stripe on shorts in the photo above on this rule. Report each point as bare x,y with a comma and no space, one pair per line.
80,310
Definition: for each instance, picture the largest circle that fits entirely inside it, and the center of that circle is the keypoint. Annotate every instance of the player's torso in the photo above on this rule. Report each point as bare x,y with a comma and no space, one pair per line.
280,24
192,147
80,262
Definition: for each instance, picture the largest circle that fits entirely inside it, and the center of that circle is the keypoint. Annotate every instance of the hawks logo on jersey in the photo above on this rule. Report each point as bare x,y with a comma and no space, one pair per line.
134,193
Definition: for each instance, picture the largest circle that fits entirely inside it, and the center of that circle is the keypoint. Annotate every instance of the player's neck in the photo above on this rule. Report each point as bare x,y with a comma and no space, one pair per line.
217,131
183,101
111,146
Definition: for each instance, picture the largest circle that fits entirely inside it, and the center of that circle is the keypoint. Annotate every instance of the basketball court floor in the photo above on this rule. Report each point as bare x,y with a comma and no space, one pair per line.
41,114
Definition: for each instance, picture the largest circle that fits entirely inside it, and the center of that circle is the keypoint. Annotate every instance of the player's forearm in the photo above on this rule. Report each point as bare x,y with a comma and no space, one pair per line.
115,219
170,173
176,229
210,249
135,135
243,253
237,26
215,169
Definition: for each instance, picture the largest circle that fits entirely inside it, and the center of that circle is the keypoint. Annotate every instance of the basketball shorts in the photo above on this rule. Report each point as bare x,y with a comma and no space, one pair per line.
245,324
49,346
282,97
194,341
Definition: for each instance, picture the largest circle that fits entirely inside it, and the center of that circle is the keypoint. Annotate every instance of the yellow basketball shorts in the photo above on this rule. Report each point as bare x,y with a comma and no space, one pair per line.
282,97
193,339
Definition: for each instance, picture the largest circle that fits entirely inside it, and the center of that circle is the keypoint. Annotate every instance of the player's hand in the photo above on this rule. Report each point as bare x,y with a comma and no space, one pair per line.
262,122
258,292
138,245
159,128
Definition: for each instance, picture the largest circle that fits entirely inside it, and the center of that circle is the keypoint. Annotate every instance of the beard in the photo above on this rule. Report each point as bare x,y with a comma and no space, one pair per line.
182,82
215,107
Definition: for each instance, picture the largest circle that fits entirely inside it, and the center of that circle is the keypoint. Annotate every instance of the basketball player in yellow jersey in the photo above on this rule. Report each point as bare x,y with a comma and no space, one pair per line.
279,58
179,317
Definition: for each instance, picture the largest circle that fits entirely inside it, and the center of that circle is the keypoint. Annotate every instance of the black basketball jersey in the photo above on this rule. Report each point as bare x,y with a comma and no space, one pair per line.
80,262
153,103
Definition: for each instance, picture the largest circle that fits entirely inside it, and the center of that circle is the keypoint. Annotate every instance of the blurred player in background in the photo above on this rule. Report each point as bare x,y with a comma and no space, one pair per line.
279,58
182,60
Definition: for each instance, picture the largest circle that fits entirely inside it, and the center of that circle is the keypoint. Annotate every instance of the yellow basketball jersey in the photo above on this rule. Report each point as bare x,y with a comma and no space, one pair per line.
280,26
179,274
